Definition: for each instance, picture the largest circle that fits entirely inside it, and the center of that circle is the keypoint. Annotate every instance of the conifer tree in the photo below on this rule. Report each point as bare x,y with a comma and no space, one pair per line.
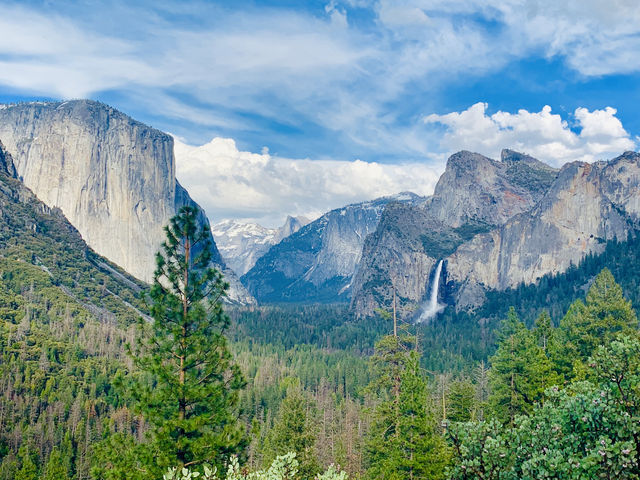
189,391
55,468
544,332
403,441
29,469
520,371
597,321
293,431
461,401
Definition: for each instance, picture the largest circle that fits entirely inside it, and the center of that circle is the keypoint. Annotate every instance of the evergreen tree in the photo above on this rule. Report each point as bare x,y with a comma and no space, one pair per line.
293,431
598,321
544,332
461,401
403,441
520,371
55,468
9,467
189,391
29,468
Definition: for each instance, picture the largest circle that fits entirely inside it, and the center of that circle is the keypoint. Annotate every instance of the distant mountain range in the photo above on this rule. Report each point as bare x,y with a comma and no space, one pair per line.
317,263
242,244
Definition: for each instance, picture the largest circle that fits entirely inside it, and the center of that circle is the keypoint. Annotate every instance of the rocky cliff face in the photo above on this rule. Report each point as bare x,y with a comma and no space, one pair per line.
474,195
586,206
242,244
6,163
317,262
112,177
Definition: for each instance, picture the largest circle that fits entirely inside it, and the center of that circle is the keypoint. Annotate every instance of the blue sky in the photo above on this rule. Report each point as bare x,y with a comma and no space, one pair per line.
393,83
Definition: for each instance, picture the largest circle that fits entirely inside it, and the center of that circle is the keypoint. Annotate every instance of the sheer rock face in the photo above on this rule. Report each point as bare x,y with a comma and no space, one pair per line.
588,205
478,189
317,262
6,163
112,177
475,194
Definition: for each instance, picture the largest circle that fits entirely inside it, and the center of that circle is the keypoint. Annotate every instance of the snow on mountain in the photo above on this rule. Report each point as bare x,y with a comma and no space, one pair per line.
242,244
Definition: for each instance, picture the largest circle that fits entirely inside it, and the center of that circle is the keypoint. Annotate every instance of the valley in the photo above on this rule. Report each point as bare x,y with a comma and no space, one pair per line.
398,301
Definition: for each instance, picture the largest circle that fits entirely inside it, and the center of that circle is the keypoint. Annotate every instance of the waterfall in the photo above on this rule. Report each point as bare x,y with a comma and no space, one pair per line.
433,307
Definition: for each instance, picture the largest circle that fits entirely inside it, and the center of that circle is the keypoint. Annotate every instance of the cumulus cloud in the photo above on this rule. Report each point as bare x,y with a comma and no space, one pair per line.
230,183
598,134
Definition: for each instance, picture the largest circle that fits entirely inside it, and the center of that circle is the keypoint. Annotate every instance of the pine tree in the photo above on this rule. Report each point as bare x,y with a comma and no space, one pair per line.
520,371
544,331
55,468
293,431
604,315
29,469
189,391
403,441
9,467
461,401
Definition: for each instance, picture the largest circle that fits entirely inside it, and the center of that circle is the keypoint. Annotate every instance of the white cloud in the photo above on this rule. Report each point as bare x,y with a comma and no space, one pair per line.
596,37
542,134
236,70
230,183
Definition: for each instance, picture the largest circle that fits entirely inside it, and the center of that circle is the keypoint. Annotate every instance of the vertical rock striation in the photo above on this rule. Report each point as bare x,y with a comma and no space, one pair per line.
587,205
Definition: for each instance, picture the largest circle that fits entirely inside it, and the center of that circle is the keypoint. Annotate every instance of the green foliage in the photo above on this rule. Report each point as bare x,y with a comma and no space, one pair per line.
480,451
461,401
588,429
520,371
55,468
293,431
189,390
283,467
29,470
533,179
587,325
443,241
403,441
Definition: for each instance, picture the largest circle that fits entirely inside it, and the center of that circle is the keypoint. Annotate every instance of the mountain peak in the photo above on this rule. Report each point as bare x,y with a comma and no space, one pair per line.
511,157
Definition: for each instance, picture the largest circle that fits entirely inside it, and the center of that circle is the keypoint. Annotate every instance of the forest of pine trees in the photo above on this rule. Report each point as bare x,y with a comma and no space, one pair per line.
307,392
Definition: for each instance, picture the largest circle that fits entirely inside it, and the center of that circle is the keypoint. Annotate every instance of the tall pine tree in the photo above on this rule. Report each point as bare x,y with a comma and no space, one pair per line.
520,370
403,441
188,392
293,431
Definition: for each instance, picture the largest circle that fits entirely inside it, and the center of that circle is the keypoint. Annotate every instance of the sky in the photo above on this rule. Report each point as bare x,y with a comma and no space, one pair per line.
297,107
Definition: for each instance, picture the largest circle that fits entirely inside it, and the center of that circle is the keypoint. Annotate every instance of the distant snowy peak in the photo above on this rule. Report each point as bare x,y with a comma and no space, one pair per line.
236,231
291,226
242,244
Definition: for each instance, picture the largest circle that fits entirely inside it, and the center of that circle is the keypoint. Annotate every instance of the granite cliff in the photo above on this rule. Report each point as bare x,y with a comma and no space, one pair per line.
111,176
474,195
587,205
316,263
